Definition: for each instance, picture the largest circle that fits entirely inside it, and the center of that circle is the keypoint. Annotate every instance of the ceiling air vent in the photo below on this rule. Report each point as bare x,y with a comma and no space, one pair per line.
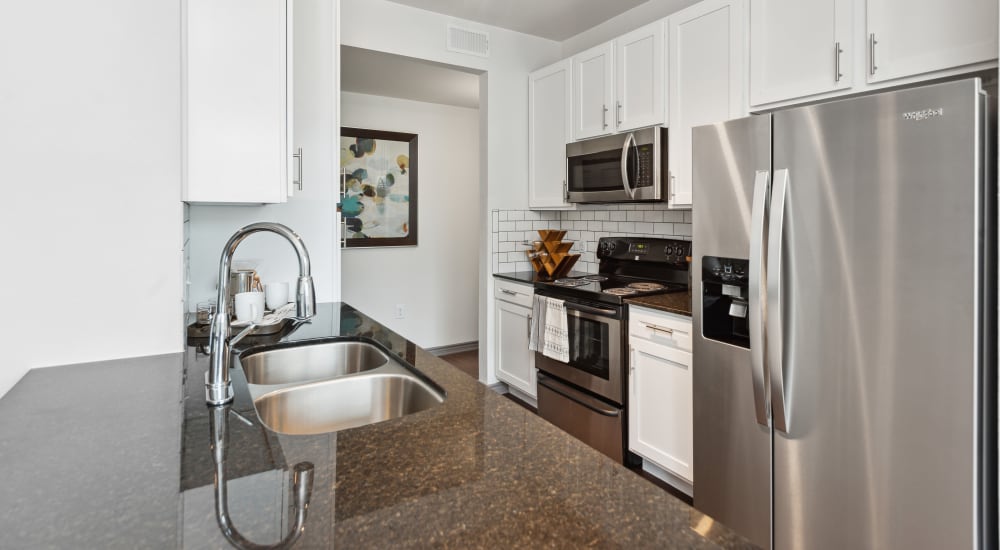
468,41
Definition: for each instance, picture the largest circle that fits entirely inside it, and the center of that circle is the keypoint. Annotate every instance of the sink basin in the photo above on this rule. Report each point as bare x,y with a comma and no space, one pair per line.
306,363
338,404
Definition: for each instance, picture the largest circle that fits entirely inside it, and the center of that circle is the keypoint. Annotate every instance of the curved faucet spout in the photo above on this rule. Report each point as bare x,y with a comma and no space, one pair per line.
218,389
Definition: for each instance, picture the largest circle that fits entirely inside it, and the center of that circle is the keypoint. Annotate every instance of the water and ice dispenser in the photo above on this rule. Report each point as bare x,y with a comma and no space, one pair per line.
725,298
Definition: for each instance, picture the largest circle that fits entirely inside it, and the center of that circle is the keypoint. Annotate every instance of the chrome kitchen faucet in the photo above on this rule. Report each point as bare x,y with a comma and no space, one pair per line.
218,388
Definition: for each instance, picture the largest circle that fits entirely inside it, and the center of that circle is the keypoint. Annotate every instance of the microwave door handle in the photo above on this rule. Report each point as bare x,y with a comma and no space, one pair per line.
630,140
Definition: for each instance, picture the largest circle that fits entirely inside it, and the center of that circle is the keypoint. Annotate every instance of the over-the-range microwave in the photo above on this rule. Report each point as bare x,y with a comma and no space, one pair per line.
618,168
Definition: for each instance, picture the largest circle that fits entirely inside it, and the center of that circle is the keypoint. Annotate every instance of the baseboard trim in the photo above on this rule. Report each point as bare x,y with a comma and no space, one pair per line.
454,348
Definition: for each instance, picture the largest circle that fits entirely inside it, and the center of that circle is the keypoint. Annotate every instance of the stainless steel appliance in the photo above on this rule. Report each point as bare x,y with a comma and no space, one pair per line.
619,168
585,396
851,402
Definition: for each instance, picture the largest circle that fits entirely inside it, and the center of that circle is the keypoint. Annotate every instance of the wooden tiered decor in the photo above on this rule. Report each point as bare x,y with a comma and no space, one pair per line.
550,256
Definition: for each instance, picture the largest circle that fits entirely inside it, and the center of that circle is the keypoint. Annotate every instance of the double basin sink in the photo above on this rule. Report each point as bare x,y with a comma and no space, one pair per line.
323,386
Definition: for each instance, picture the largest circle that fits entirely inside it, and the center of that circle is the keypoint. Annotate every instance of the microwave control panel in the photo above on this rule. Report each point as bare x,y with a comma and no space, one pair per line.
644,175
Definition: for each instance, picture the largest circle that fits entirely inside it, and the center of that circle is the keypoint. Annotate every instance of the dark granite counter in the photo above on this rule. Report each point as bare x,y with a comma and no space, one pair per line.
531,277
112,456
674,302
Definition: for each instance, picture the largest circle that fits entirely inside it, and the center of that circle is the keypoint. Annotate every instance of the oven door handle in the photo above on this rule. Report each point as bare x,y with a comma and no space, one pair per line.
591,310
578,397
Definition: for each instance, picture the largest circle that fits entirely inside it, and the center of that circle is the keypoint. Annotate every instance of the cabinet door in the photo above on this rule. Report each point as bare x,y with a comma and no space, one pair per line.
660,421
706,81
797,47
639,67
235,101
548,133
515,362
593,92
907,39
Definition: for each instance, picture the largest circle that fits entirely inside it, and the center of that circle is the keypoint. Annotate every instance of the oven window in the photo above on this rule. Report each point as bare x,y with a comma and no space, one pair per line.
595,172
589,346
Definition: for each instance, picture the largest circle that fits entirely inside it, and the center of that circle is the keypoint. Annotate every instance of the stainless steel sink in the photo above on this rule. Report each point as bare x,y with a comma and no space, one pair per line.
305,363
327,386
333,405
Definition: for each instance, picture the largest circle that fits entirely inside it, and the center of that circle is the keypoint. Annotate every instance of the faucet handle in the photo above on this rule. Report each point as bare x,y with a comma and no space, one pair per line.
242,334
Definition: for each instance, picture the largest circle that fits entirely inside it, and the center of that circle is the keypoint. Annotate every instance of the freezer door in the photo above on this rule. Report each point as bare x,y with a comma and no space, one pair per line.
873,322
732,442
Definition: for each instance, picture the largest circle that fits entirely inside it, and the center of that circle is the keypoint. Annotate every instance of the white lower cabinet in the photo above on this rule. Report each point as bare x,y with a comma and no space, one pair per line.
515,363
660,421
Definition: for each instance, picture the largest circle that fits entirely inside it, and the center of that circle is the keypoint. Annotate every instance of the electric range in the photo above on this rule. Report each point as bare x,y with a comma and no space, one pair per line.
585,395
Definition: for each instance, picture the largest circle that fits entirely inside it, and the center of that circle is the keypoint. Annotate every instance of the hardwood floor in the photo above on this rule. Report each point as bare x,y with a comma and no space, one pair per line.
466,361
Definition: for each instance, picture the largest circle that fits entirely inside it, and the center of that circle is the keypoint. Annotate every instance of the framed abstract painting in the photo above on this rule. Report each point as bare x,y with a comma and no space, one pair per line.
379,186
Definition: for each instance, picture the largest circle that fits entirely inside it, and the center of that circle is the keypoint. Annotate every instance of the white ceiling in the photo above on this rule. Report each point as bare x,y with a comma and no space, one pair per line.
376,73
552,19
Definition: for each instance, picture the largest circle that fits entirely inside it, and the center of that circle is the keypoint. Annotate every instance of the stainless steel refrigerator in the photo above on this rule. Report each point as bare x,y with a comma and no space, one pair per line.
844,352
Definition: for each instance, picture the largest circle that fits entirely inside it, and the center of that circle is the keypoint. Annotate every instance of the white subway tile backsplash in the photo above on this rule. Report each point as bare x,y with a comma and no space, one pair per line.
584,226
663,228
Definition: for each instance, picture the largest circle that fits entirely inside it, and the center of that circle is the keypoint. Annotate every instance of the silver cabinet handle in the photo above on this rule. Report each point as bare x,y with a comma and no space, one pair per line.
837,75
529,328
656,328
604,117
565,191
775,328
757,296
672,184
511,292
298,158
618,114
343,183
871,52
343,234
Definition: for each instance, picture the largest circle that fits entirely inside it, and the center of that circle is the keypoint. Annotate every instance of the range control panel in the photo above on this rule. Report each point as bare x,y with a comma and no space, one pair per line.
644,250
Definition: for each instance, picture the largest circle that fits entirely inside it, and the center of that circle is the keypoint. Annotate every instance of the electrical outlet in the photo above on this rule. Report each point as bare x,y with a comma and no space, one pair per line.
400,311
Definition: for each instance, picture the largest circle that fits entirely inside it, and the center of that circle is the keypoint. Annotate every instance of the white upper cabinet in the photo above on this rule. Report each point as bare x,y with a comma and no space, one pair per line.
799,48
618,86
548,132
707,81
639,68
236,101
593,92
907,38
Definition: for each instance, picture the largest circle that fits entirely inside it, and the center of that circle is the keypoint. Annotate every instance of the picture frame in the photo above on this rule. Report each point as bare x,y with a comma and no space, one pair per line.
379,187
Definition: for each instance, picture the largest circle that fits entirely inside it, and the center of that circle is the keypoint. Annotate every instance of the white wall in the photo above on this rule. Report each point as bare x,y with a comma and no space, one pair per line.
438,279
616,26
310,212
90,221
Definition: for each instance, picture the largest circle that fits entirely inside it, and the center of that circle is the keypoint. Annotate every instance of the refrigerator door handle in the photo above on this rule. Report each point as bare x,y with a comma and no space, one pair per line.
775,328
758,214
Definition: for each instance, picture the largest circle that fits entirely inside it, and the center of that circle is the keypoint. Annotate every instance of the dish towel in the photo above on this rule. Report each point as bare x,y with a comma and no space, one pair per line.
556,331
536,338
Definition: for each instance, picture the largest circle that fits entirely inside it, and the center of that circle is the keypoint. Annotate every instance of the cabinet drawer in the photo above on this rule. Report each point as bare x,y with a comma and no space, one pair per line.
664,328
515,293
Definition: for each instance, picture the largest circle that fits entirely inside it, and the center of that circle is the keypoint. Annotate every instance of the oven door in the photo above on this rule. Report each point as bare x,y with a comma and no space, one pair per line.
595,352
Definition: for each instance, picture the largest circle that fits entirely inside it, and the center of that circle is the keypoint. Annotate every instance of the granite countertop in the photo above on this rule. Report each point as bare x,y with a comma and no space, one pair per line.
531,277
672,302
115,455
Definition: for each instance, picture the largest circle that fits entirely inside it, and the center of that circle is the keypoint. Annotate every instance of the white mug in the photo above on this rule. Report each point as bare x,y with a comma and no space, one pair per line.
249,306
276,295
